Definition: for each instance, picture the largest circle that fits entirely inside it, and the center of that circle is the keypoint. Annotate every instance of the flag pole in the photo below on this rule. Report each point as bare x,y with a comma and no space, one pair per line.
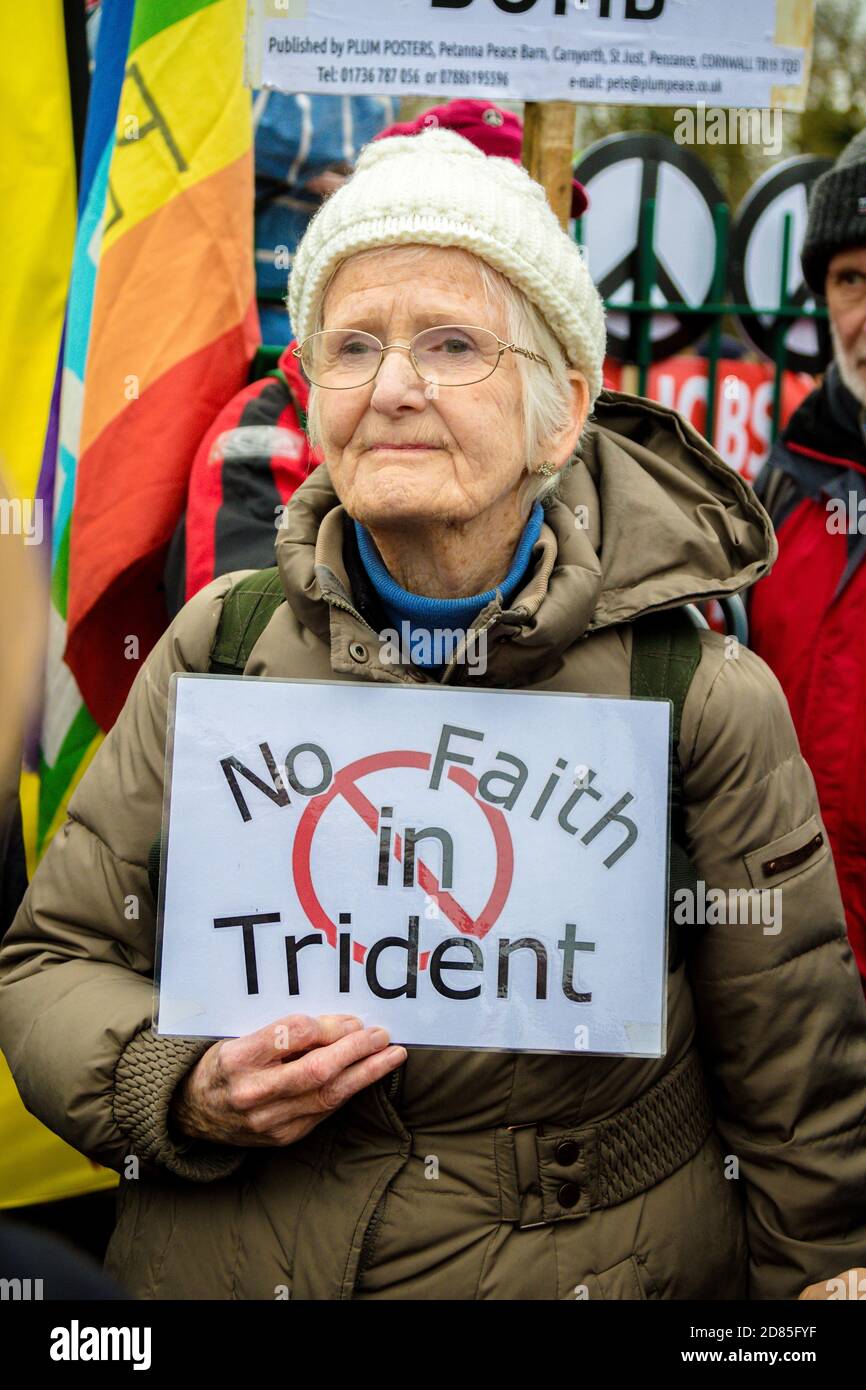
548,145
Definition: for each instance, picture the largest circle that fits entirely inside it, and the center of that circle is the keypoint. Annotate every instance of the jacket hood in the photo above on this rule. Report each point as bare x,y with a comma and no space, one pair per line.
650,517
677,524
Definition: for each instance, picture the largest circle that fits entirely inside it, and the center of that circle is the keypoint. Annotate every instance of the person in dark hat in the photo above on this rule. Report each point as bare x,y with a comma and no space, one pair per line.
809,615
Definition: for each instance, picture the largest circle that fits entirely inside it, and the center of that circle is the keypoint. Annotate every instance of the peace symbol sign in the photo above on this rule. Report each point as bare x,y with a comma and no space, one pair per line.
756,262
620,173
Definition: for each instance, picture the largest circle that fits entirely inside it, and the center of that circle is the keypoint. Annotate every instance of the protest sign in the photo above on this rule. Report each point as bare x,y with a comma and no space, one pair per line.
481,869
624,52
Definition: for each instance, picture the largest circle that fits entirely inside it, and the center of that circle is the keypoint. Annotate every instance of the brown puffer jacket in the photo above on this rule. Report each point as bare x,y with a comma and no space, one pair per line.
733,1166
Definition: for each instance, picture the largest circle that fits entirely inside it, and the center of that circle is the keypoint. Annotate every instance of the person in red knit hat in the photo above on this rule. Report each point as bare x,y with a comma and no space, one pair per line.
485,125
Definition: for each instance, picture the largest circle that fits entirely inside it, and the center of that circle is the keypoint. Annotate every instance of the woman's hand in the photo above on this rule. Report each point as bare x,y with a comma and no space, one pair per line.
853,1280
272,1087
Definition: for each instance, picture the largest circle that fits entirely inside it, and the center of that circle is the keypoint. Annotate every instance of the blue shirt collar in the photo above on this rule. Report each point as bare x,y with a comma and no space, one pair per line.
425,612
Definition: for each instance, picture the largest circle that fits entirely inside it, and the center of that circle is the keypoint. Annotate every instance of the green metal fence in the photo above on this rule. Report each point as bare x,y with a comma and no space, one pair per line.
717,308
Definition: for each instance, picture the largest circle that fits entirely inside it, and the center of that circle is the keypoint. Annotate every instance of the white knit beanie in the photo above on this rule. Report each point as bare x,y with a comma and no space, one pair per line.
437,189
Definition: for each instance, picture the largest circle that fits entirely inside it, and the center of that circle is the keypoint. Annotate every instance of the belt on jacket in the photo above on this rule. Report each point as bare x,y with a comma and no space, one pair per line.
549,1174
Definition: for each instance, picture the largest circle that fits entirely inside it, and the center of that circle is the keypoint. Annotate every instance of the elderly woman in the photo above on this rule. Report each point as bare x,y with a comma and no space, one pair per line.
473,475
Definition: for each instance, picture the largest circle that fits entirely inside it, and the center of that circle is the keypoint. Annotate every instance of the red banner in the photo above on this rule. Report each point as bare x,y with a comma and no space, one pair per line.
744,402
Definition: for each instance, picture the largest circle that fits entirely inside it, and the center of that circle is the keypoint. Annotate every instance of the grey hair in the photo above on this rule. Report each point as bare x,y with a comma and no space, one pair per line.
546,394
847,372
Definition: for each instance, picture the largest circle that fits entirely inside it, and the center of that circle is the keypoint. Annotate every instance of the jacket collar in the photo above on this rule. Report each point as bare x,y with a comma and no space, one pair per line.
829,426
648,518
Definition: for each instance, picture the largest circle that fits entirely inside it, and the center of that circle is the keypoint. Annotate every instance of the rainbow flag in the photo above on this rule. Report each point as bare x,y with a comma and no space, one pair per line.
38,218
161,327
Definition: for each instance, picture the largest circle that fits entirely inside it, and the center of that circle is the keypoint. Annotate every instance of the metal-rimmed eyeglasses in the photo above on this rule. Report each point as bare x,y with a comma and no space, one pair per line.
451,354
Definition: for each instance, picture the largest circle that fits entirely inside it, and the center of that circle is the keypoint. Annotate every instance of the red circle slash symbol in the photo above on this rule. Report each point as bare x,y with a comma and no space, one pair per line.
345,785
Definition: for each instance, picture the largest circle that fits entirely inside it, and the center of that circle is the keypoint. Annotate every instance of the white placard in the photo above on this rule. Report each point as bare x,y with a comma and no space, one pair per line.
623,52
309,821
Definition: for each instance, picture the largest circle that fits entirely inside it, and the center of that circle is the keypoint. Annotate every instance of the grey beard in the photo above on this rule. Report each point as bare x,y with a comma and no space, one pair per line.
847,371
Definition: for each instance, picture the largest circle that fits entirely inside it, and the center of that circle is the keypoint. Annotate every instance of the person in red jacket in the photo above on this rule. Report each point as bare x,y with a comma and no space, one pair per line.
253,457
808,616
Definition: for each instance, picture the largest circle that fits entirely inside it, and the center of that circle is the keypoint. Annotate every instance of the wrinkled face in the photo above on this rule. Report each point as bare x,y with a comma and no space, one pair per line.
846,303
399,451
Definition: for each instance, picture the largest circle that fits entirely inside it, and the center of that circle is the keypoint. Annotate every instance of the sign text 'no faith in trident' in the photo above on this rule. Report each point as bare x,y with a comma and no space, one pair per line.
482,869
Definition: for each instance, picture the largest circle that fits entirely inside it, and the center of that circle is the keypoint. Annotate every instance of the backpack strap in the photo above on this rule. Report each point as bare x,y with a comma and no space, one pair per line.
247,609
666,652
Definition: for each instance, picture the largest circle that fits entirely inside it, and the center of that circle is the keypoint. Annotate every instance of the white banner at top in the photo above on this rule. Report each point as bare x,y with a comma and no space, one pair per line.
621,52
